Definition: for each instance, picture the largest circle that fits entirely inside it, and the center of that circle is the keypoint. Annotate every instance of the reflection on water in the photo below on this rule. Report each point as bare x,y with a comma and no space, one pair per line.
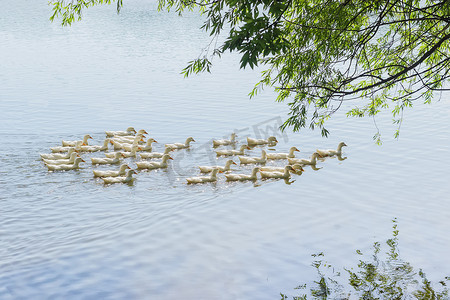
67,235
383,276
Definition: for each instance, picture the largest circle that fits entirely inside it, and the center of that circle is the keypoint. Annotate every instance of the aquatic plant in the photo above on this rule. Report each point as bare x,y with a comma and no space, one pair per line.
380,277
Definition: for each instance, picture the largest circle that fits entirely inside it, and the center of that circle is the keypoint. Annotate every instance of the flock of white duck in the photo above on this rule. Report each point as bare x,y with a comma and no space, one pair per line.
130,143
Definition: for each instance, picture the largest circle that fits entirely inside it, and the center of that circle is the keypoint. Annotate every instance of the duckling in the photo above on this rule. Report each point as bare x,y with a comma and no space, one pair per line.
176,146
126,179
107,160
72,143
329,152
254,160
243,177
283,155
201,179
232,140
233,152
303,161
73,166
208,169
154,165
278,175
109,173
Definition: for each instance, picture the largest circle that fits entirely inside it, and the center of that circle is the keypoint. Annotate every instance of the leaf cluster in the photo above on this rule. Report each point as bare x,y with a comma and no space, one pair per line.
382,55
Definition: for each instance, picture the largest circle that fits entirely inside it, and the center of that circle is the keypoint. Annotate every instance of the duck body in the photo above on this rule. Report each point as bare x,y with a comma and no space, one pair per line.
153,164
297,168
254,142
303,161
209,169
176,146
243,177
59,149
150,155
283,155
254,160
330,152
95,148
223,142
107,160
58,155
139,138
204,179
129,131
148,145
131,153
111,173
74,166
233,152
72,143
68,161
278,175
120,179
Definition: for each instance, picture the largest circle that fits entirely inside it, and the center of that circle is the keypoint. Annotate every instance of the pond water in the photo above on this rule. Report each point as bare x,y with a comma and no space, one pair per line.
66,235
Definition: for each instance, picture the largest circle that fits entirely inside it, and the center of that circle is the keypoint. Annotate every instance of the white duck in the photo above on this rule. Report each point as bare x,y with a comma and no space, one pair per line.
129,139
150,155
148,145
68,161
283,155
297,168
110,173
58,155
131,153
95,148
254,160
73,166
208,169
122,145
129,131
303,161
331,152
232,140
253,142
176,146
122,179
233,152
278,175
107,160
60,149
204,179
243,177
154,165
72,143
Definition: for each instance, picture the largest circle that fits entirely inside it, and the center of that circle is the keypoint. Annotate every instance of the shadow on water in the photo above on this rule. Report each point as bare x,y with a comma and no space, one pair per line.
380,277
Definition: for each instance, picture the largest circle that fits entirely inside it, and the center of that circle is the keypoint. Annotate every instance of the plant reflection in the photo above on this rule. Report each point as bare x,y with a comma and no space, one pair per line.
391,278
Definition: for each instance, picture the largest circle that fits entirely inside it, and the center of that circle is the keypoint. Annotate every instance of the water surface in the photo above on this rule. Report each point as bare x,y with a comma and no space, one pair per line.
66,235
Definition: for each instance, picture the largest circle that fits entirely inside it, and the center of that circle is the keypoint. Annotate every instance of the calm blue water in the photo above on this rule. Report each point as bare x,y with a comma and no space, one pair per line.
66,235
